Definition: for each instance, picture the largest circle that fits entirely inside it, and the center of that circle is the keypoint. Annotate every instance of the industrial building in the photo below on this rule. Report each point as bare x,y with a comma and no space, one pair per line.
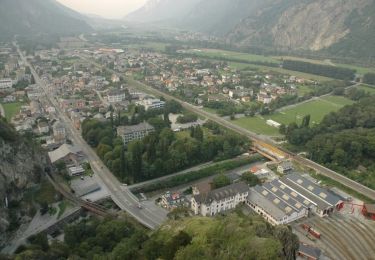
276,206
324,201
291,198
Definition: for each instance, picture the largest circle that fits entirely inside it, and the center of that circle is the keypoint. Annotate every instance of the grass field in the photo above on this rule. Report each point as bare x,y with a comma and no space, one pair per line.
368,89
11,109
316,108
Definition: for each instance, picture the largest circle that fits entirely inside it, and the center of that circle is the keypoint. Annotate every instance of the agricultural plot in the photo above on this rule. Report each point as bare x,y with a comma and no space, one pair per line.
317,109
214,53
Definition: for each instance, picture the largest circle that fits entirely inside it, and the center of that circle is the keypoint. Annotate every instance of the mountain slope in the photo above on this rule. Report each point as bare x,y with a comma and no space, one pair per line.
312,25
339,27
30,17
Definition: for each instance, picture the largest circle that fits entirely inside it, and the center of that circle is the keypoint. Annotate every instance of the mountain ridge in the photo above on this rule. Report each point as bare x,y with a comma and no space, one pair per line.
32,17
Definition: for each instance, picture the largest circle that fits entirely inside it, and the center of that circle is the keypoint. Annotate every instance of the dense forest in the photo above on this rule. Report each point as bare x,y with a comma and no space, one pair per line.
189,238
162,152
343,141
318,69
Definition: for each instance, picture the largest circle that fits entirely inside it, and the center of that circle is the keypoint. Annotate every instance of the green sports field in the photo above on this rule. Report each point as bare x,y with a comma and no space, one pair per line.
11,109
316,108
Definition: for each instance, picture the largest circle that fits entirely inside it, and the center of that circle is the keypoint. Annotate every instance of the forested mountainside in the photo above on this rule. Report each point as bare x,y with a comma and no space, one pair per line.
235,236
21,17
21,168
340,27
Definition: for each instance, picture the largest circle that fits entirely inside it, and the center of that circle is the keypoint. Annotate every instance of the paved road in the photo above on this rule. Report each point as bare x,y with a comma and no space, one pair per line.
151,217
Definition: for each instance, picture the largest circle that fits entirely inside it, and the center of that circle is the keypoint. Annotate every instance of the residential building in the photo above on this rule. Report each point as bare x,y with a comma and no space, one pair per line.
116,96
134,132
59,131
219,200
76,171
43,127
152,104
9,99
6,84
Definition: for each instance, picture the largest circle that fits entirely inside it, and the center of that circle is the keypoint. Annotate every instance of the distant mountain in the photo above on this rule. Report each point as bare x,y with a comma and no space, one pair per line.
162,11
31,17
339,27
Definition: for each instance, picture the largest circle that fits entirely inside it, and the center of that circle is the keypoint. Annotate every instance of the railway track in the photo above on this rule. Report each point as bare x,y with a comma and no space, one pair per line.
89,206
346,237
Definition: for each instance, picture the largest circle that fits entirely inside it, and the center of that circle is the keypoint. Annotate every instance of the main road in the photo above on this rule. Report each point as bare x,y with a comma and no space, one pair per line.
151,216
370,193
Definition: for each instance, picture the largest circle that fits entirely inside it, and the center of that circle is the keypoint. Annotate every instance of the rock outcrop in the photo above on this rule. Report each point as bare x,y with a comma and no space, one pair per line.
21,168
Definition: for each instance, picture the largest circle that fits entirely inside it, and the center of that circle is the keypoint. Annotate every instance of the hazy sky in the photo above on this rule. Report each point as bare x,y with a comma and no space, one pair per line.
105,8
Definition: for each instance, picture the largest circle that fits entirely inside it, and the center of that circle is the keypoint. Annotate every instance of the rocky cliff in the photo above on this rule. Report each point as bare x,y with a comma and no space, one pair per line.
21,168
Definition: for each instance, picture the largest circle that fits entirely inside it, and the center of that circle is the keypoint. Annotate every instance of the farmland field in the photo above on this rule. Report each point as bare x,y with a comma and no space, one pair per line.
238,65
317,108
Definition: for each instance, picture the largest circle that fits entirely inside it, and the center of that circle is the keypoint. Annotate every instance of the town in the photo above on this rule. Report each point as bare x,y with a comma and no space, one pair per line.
90,109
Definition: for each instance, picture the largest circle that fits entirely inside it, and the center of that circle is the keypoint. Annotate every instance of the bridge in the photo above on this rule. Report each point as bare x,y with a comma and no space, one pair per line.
269,151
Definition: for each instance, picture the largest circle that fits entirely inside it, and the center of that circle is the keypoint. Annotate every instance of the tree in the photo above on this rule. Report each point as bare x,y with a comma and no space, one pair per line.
135,152
220,181
250,179
182,239
306,121
40,240
288,240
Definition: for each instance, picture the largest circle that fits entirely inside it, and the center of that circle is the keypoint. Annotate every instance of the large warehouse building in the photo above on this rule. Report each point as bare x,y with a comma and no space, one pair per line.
291,198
